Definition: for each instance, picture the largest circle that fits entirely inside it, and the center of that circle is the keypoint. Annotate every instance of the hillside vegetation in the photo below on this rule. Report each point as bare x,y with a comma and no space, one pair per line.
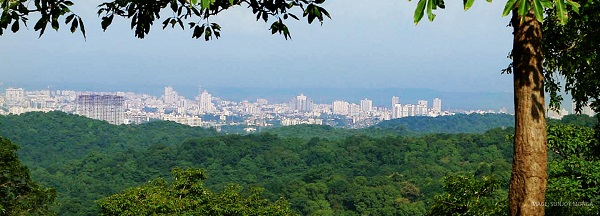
318,170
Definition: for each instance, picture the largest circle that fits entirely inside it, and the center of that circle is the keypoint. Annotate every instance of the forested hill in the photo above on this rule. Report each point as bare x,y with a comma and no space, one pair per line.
416,125
320,170
460,123
57,136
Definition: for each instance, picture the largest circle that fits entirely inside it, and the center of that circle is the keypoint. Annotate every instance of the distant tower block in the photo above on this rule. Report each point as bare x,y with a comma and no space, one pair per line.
102,107
366,105
437,105
421,109
205,104
303,103
395,100
170,96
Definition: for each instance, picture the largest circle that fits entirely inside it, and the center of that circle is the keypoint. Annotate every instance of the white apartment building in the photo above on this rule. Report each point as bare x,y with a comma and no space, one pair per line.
340,107
102,107
366,105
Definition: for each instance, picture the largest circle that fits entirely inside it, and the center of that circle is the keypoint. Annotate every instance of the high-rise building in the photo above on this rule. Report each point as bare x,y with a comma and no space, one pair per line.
421,108
585,110
14,95
340,107
205,104
397,111
408,110
395,100
366,105
303,103
102,107
170,97
262,102
437,105
354,109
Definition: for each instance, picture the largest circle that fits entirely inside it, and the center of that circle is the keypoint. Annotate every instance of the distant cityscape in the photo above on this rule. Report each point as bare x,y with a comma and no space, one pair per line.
205,110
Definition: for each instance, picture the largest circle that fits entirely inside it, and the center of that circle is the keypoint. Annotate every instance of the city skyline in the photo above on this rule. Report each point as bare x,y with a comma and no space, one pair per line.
134,108
378,96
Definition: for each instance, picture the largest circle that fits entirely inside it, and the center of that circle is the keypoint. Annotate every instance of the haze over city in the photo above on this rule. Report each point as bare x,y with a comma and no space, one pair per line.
364,45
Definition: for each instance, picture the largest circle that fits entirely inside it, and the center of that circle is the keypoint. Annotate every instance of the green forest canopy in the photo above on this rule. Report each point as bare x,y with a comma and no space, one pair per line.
352,174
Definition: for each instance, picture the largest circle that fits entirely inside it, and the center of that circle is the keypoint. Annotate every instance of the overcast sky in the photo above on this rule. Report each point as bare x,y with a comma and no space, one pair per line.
366,44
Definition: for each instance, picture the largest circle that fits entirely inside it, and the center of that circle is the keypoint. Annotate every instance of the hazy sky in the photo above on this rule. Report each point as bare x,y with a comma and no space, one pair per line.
367,44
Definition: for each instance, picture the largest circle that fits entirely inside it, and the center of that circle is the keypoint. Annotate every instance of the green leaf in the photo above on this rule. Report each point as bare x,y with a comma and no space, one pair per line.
231,2
198,31
15,26
194,2
69,18
180,24
468,4
574,5
55,24
441,4
207,33
196,11
206,3
74,26
547,3
81,27
538,10
430,14
323,11
419,11
561,12
508,7
523,7
106,21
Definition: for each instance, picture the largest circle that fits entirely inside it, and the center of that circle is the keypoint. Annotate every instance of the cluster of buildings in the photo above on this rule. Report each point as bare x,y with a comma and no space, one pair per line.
208,111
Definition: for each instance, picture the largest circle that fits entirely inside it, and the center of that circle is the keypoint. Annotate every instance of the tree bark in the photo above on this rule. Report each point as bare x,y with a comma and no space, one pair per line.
528,177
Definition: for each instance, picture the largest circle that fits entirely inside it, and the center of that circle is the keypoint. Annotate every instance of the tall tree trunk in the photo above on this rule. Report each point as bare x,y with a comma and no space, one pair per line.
528,178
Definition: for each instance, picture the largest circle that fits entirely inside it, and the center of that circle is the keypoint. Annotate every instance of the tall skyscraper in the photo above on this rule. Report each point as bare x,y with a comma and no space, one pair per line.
437,105
205,104
366,105
303,103
102,107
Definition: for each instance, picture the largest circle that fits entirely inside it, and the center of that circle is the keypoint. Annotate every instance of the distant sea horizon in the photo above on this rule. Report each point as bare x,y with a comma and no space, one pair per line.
381,97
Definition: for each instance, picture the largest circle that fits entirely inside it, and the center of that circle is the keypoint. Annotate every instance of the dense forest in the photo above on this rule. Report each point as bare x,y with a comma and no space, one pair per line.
411,166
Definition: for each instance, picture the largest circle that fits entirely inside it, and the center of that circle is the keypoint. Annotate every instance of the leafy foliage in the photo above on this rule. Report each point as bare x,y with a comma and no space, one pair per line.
348,173
571,52
19,194
143,14
522,7
54,145
574,176
18,11
579,120
461,123
186,195
467,195
337,175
